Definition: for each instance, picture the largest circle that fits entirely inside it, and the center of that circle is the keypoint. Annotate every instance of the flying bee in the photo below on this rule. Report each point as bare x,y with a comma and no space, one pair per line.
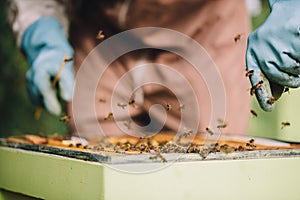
222,124
181,106
100,35
65,118
208,130
249,73
142,137
37,113
168,107
109,116
286,89
251,141
131,102
158,155
237,38
271,100
256,86
127,123
101,100
187,133
253,113
122,105
68,59
285,124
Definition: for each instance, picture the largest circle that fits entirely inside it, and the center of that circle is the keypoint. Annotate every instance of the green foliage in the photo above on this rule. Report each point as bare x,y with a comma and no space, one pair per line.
258,20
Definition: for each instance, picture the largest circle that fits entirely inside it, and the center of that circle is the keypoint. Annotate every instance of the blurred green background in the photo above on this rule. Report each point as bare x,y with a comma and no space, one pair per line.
16,111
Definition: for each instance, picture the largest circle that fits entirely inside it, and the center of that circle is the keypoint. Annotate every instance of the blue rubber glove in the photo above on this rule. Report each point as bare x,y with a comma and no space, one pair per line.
273,53
45,45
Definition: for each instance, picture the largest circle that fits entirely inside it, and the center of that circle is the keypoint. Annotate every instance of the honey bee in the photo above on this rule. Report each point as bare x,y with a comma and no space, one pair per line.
101,100
68,59
65,118
221,124
100,35
285,124
254,113
226,148
271,100
249,73
187,133
237,38
208,130
256,86
122,105
181,106
109,116
37,113
131,102
286,89
127,123
251,141
142,137
168,107
158,155
240,148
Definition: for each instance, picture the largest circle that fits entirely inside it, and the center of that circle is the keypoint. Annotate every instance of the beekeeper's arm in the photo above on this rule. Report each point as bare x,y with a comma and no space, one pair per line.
41,30
273,53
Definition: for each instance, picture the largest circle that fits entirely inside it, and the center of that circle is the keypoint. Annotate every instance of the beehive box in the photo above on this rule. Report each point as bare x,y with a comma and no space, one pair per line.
268,171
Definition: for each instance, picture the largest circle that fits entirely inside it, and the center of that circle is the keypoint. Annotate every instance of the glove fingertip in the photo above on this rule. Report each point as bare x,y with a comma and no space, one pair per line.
66,92
264,97
66,85
265,105
52,105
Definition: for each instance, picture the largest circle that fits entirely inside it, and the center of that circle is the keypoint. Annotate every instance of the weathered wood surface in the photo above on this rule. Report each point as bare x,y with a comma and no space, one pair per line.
121,158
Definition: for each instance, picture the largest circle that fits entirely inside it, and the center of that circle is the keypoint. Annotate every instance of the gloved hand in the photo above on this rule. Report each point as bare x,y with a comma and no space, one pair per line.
273,53
45,45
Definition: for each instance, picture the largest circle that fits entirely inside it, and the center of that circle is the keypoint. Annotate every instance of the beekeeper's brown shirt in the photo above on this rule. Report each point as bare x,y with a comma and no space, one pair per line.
220,26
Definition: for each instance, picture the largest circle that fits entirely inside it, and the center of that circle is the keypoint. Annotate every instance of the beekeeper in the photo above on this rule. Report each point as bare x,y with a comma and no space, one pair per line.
46,30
